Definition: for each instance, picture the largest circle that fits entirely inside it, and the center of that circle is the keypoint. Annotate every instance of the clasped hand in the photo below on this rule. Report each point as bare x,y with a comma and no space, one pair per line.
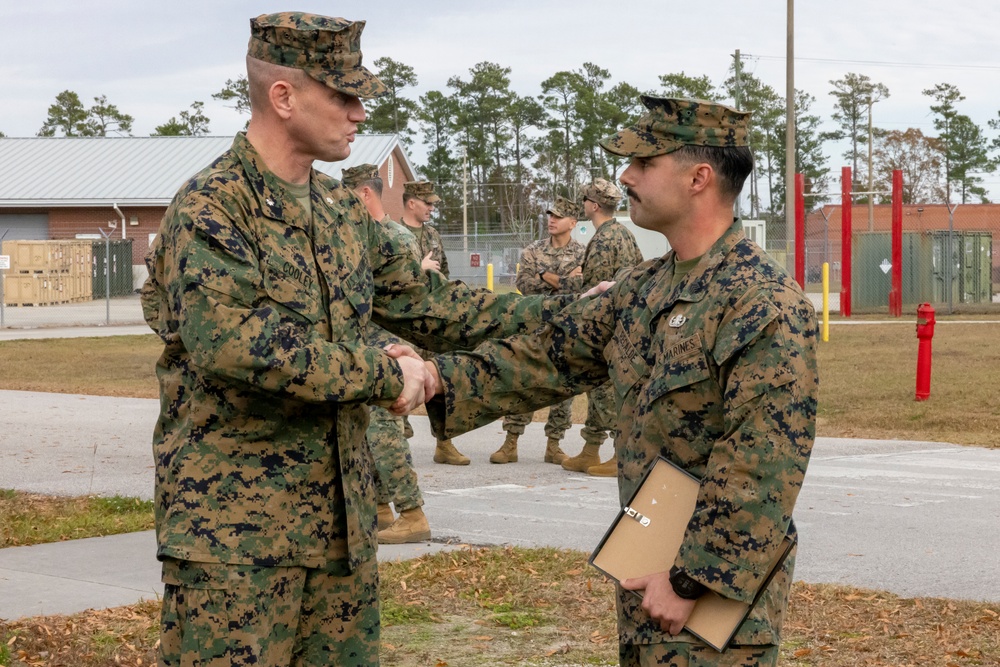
420,379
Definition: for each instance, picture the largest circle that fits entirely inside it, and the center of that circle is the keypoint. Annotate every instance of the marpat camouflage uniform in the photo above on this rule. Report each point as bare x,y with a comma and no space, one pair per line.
428,238
541,256
396,479
718,375
611,249
265,381
429,241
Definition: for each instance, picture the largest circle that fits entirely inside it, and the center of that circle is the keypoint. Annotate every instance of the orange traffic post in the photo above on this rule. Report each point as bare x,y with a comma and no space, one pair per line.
925,332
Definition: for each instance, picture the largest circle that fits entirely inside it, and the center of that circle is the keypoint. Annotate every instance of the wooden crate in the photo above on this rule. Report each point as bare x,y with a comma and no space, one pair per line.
22,289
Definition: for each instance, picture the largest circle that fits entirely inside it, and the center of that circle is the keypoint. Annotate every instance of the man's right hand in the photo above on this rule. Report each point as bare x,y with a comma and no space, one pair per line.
428,263
414,385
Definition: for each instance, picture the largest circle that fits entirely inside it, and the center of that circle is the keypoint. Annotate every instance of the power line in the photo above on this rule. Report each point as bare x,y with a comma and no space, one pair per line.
882,63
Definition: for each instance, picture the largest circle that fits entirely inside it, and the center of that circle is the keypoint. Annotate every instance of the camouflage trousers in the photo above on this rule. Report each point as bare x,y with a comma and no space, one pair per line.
560,416
216,615
695,655
601,419
395,477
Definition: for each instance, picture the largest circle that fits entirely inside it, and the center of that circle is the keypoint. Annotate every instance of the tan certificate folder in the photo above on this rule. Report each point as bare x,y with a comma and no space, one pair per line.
646,536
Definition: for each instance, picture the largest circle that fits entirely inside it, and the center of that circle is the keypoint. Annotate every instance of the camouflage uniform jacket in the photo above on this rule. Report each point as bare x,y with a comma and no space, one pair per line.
265,376
718,375
429,241
541,256
405,235
611,249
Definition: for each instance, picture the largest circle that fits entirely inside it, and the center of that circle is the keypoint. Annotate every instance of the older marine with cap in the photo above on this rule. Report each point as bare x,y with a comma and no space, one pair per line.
262,282
711,354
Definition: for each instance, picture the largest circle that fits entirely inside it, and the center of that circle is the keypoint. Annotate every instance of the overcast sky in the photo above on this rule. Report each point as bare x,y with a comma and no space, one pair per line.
153,59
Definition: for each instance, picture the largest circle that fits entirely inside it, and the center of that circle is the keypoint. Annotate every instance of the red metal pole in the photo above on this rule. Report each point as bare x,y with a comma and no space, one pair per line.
896,293
846,223
800,230
925,332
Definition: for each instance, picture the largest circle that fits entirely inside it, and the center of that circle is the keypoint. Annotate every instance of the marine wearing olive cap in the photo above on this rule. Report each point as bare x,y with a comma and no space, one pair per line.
672,123
423,190
362,173
603,192
326,48
564,208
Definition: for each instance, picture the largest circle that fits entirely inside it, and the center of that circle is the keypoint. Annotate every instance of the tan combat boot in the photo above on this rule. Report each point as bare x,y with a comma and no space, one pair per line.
385,516
607,469
590,456
553,452
411,526
507,452
446,453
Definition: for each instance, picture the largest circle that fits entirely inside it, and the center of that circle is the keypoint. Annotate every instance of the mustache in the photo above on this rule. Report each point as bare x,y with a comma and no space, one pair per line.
630,193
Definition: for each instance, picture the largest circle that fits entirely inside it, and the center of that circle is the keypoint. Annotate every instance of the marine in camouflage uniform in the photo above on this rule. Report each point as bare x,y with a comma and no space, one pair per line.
713,369
548,266
396,480
261,286
610,250
419,199
415,217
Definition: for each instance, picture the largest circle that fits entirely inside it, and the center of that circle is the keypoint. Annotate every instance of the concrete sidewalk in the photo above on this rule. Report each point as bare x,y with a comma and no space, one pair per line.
102,572
913,518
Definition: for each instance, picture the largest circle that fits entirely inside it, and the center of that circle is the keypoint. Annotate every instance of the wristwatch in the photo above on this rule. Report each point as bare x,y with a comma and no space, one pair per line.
541,275
684,586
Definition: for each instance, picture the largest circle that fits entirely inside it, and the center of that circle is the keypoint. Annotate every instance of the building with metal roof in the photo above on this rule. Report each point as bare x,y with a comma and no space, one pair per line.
68,187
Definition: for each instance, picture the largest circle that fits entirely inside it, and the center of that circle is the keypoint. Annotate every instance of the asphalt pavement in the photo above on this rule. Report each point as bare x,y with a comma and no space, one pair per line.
913,518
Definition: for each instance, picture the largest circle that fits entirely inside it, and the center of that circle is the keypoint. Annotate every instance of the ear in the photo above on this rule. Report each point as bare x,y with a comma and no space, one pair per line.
281,95
701,175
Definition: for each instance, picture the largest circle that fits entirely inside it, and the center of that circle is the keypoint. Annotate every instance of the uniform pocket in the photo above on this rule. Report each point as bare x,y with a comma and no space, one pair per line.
292,288
680,365
359,288
626,365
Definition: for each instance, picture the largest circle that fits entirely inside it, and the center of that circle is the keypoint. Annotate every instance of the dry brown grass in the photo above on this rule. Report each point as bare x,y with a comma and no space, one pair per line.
103,366
508,606
868,381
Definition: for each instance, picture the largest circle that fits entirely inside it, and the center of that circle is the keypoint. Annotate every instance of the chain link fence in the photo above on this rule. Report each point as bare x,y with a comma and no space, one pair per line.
67,283
949,256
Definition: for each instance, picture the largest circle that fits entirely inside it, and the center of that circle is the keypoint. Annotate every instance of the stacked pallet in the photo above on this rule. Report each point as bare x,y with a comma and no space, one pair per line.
45,273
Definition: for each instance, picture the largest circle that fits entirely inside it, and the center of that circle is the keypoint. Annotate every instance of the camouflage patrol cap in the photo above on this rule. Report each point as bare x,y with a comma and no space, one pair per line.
421,190
564,208
362,173
603,192
327,49
671,123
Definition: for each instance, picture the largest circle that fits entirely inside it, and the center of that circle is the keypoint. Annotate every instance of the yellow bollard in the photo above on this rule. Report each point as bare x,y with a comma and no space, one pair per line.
489,277
826,302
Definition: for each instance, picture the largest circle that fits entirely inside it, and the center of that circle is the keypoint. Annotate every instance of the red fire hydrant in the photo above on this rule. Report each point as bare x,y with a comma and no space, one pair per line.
925,332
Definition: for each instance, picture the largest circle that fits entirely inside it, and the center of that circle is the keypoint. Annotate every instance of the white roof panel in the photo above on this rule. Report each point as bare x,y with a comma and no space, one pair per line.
83,171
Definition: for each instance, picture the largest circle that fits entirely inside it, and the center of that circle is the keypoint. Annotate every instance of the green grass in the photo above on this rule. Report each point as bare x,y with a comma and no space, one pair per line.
27,518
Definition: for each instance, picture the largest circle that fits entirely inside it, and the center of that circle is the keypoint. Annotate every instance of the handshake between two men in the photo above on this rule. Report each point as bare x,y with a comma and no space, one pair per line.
421,381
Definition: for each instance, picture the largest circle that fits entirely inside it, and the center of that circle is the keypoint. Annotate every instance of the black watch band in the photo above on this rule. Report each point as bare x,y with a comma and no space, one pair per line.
684,586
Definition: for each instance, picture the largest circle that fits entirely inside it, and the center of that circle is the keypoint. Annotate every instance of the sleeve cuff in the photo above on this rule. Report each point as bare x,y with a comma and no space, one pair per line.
387,378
